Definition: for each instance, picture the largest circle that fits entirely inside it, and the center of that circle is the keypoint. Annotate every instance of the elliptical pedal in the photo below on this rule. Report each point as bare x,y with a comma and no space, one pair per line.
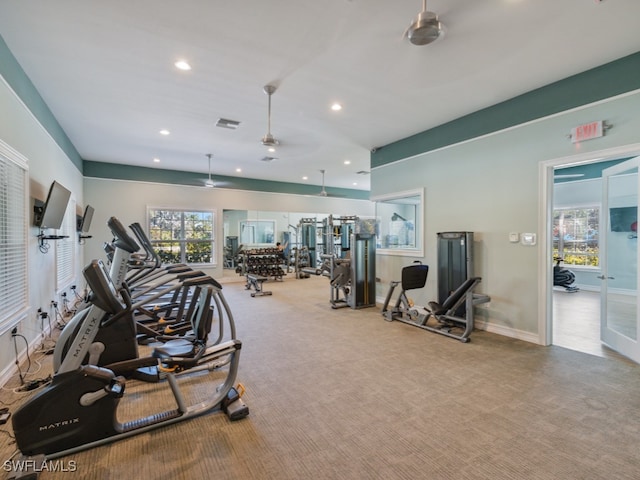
233,405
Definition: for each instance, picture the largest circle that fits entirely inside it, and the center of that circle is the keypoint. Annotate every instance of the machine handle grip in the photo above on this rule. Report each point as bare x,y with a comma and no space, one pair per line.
126,296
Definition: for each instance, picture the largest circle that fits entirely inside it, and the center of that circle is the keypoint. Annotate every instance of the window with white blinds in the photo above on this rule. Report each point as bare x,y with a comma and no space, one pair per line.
14,177
65,267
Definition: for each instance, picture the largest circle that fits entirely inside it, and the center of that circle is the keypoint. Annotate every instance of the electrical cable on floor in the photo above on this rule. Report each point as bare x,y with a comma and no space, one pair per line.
8,434
27,386
60,323
44,348
79,298
8,404
15,347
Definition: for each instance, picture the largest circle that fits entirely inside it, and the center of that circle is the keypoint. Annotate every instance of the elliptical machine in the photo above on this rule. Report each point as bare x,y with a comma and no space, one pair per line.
563,277
78,409
116,344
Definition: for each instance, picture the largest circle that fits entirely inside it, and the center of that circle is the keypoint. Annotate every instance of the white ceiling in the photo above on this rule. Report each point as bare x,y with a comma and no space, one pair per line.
105,68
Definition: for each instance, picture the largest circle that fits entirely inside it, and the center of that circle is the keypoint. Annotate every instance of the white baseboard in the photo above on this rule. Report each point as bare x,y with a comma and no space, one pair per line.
498,329
508,332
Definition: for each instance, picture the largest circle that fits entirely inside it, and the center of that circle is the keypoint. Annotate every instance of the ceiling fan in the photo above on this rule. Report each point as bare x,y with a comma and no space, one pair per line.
208,182
268,140
425,29
323,192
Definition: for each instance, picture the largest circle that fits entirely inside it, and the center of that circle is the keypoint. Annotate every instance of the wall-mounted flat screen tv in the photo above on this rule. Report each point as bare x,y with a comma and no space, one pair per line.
622,218
51,214
84,223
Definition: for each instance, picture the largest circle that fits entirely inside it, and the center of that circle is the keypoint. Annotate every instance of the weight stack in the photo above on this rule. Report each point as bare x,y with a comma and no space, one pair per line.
455,263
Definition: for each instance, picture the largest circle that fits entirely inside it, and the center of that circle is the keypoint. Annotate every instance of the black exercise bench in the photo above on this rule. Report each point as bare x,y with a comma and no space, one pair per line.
255,281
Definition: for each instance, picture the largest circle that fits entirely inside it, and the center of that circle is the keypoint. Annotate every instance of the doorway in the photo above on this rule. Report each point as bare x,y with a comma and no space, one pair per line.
572,319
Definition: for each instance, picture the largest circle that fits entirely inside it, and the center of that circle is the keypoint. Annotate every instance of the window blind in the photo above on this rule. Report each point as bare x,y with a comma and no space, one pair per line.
13,237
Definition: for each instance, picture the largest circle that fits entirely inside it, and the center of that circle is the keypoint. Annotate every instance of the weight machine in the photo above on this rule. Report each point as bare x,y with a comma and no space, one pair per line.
352,280
452,315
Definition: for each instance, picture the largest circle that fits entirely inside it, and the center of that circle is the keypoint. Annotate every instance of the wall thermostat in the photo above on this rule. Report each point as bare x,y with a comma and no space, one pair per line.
528,239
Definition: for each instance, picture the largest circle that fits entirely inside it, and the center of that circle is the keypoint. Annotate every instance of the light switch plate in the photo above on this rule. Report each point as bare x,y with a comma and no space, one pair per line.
514,237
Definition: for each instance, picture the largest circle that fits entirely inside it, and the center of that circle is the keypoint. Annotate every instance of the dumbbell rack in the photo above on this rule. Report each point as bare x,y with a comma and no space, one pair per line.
262,261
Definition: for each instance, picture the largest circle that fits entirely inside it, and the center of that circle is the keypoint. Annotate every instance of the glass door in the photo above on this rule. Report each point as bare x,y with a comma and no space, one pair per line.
619,259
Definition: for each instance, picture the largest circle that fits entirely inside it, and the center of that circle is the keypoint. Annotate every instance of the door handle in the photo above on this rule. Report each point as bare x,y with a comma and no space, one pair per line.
602,277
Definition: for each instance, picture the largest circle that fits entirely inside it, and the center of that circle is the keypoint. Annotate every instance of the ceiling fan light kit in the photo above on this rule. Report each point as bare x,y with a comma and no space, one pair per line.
426,28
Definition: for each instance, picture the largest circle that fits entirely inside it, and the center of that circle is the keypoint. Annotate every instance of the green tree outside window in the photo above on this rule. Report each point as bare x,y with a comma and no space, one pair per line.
183,236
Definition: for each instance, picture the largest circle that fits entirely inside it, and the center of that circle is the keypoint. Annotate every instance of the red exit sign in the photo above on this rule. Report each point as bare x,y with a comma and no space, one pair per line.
588,131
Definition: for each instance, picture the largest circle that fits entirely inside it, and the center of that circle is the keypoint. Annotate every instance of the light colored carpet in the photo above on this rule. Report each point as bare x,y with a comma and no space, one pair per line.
343,394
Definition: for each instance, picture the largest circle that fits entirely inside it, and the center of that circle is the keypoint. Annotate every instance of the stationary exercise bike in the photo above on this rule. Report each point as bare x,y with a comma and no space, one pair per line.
563,277
78,409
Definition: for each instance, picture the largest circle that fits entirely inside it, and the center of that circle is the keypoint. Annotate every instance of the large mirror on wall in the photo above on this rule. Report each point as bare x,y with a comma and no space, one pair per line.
314,234
252,229
399,223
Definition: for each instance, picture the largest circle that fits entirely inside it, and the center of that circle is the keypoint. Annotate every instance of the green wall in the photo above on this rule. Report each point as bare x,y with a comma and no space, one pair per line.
611,79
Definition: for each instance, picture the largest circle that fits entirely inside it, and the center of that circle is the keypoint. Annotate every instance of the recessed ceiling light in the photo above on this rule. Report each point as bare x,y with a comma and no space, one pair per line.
156,160
305,178
164,131
355,183
182,65
238,170
271,149
347,162
336,107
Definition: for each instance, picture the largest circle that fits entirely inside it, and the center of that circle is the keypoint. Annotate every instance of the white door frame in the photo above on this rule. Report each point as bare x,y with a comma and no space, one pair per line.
545,227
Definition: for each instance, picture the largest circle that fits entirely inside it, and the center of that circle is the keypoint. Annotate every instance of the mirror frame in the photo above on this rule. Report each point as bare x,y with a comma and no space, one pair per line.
418,251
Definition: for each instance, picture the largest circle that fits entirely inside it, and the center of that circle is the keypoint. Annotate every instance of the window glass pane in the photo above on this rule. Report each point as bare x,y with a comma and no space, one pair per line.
199,252
182,236
257,232
198,225
575,235
169,252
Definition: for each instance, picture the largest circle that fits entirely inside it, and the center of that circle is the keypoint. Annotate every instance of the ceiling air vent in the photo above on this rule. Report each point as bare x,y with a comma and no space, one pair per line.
268,159
226,123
